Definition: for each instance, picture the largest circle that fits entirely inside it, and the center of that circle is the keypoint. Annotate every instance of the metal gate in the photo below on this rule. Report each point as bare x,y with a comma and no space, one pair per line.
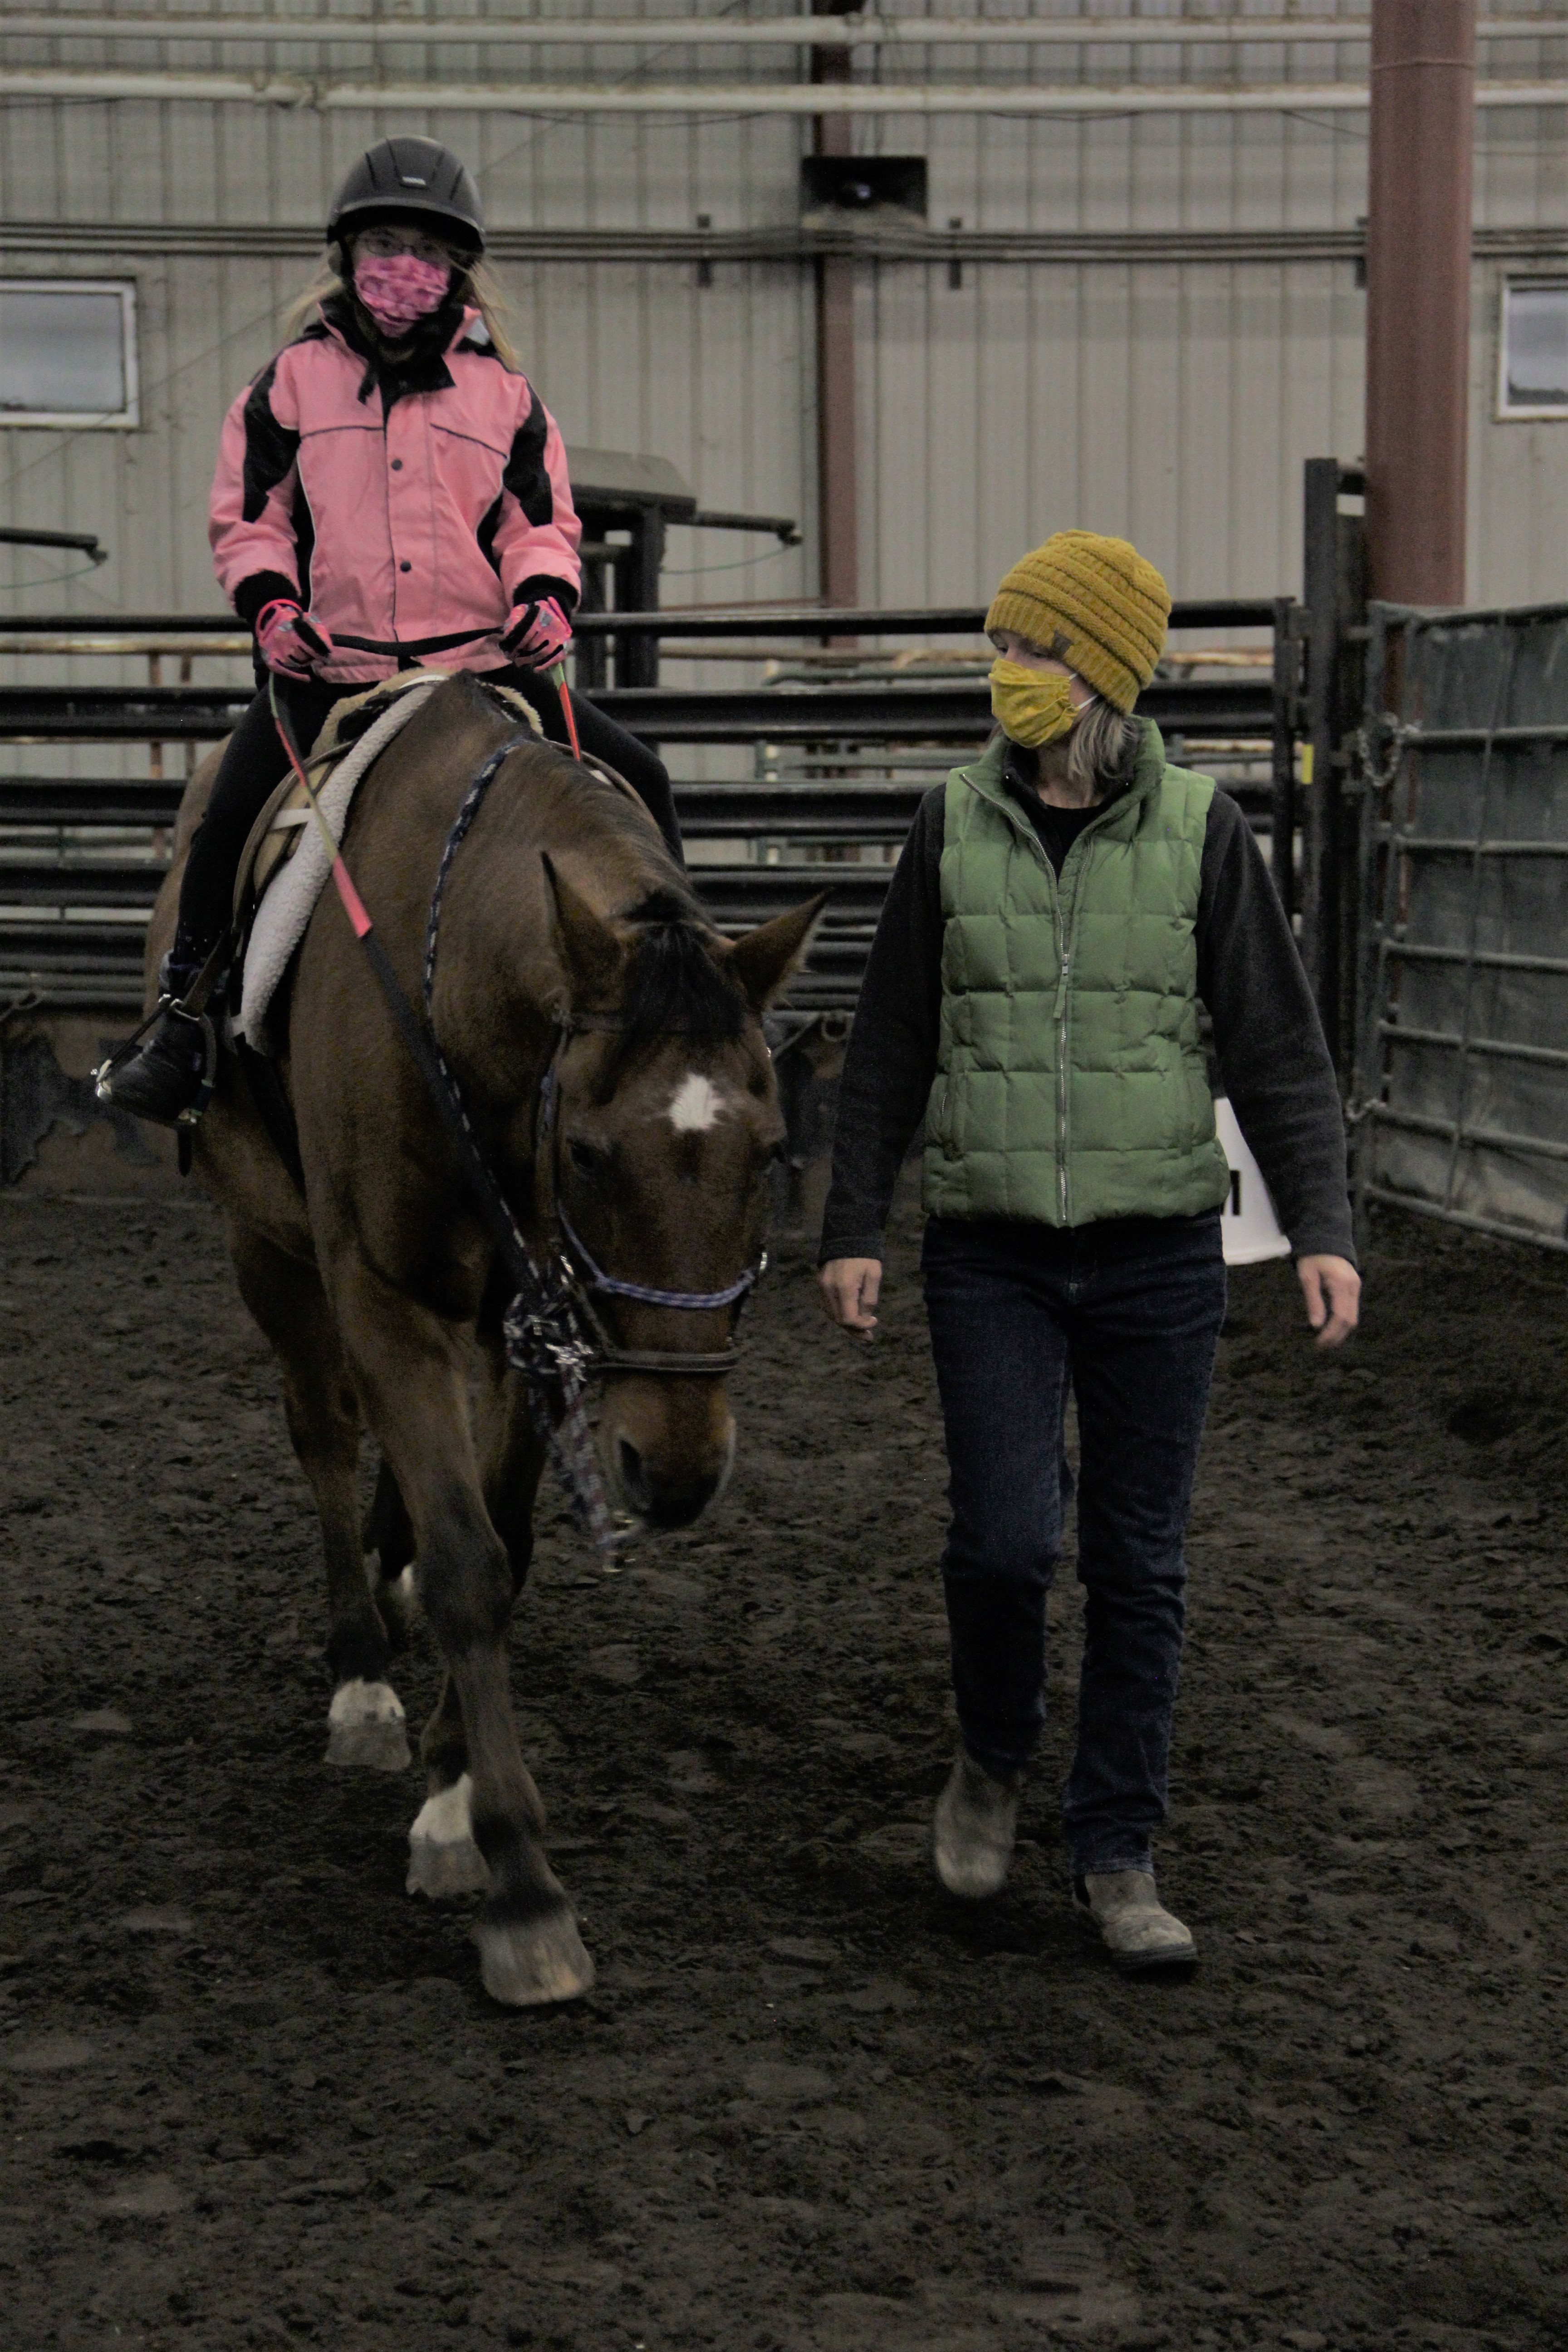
1460,1099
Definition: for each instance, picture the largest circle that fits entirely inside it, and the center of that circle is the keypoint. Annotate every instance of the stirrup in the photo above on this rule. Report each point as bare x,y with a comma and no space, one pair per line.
191,1115
190,1007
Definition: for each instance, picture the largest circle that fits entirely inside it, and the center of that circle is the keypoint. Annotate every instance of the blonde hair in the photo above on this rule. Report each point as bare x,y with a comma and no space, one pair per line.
481,290
1103,746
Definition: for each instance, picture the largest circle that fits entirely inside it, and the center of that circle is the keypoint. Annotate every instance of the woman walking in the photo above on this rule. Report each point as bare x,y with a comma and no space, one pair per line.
1061,910
389,489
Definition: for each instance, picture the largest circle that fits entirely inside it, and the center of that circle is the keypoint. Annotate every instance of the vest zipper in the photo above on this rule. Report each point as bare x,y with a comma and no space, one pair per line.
1062,1026
1026,834
1064,1023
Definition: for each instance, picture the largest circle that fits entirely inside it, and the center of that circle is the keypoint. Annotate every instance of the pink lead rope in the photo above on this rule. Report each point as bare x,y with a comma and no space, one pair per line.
353,905
559,674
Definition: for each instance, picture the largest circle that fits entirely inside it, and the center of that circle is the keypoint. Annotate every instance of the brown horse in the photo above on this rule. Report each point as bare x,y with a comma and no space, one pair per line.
380,1285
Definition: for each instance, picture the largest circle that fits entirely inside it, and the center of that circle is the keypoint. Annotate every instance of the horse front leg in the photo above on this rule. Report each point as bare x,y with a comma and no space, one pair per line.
442,1858
365,1724
388,1536
412,1378
512,1453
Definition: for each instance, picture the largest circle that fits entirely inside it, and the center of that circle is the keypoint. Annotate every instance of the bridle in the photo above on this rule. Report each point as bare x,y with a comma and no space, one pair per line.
577,1276
588,1280
556,1338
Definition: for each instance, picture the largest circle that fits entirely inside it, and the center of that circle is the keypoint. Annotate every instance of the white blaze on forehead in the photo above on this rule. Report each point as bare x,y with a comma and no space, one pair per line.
696,1105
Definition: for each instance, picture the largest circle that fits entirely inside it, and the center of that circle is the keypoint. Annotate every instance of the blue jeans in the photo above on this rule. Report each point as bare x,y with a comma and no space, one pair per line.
1125,1314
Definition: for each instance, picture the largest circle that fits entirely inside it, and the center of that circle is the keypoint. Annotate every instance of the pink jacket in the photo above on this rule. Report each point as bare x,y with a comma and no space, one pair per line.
426,519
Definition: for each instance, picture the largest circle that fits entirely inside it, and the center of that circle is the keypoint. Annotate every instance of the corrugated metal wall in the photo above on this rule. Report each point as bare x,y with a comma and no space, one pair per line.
1171,401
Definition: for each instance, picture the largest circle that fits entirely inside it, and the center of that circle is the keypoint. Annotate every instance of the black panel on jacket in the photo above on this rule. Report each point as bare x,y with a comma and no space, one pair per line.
270,448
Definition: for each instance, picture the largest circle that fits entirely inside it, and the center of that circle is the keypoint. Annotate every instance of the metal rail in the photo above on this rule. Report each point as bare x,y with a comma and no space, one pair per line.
847,30
166,84
78,542
1414,844
74,901
859,240
913,713
899,620
798,620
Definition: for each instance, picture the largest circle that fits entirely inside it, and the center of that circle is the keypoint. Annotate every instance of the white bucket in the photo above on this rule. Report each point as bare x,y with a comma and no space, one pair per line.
1248,1221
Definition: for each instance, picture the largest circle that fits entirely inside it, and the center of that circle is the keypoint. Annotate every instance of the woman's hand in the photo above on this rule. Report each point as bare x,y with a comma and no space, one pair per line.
850,1287
1331,1288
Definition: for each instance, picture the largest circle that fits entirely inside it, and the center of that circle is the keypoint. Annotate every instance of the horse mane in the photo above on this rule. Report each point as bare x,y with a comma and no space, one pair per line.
672,985
672,982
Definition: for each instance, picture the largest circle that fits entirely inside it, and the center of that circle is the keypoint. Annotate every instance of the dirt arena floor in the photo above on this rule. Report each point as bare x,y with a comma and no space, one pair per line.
251,2094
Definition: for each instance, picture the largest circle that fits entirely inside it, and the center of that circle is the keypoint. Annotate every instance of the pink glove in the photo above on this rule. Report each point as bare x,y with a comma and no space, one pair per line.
289,641
537,636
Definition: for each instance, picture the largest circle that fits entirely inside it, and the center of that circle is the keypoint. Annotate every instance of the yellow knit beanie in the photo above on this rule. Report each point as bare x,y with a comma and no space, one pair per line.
1092,603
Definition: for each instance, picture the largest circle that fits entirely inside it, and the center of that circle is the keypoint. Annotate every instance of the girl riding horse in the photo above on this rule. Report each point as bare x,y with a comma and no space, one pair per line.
389,489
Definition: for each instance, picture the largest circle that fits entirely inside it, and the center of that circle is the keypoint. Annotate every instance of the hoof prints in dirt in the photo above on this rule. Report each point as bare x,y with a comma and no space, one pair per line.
253,2094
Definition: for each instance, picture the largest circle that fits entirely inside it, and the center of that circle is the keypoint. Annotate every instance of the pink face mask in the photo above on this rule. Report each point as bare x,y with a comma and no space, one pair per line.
399,289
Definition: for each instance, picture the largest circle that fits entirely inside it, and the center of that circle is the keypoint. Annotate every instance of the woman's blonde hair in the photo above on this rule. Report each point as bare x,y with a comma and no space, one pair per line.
1102,748
482,291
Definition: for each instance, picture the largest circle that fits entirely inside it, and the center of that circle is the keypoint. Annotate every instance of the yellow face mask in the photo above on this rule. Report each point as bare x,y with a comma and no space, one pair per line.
1030,705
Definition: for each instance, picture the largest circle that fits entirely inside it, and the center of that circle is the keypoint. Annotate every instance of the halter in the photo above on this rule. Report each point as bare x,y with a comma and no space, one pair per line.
553,1328
588,1279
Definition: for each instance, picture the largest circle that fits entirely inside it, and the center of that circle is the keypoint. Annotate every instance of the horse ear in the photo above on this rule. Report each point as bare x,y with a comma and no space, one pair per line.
764,960
589,948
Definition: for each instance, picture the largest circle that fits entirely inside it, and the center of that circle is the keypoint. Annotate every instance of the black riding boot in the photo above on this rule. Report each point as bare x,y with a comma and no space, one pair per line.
167,1076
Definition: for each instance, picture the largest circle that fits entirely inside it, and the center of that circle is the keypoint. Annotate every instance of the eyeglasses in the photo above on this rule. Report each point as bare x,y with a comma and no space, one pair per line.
381,244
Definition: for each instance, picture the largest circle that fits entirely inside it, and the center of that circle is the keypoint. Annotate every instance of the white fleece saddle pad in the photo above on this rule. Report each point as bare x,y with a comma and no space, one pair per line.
290,897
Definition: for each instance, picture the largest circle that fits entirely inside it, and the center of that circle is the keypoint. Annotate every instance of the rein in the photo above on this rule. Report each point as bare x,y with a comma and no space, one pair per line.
554,1335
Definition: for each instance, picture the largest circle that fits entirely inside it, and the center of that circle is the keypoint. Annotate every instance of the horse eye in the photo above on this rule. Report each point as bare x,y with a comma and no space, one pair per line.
586,1157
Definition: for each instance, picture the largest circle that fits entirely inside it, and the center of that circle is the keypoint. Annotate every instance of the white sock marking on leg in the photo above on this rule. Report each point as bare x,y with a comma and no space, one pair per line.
361,1702
448,1817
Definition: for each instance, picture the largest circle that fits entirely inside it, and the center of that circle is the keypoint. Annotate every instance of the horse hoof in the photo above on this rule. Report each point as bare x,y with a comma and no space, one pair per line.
529,1965
365,1728
443,1860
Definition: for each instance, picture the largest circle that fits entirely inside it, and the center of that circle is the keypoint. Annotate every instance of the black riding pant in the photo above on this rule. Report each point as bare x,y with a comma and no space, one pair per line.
252,767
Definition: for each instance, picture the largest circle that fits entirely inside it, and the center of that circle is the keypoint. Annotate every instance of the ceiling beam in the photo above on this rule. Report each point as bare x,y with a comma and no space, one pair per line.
841,31
161,86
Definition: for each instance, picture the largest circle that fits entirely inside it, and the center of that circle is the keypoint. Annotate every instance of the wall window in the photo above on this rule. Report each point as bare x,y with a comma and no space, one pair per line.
1532,374
68,351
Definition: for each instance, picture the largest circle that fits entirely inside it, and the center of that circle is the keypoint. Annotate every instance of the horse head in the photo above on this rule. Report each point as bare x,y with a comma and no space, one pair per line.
665,1123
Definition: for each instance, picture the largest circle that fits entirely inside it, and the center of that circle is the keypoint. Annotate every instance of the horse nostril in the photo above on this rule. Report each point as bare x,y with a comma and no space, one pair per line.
631,1468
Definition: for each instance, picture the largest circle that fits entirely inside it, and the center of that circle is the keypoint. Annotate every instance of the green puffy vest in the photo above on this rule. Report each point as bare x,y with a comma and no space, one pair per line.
1071,1082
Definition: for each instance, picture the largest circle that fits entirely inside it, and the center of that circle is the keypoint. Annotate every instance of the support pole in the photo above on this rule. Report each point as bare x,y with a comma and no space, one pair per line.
837,518
1418,297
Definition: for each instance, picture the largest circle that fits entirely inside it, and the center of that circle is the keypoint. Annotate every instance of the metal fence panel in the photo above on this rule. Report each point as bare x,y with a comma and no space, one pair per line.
1461,1094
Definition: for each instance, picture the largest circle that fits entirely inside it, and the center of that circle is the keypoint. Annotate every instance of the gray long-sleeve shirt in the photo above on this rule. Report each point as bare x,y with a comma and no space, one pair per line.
1271,1044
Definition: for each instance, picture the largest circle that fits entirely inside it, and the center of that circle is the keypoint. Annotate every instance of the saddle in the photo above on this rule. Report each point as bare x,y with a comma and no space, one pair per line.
286,863
275,888
275,836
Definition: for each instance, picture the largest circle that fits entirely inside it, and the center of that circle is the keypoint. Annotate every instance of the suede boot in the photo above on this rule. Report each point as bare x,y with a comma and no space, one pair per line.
972,1834
1137,1932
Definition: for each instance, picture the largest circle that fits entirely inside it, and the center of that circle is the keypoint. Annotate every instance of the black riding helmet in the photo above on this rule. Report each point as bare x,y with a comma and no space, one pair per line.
410,179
